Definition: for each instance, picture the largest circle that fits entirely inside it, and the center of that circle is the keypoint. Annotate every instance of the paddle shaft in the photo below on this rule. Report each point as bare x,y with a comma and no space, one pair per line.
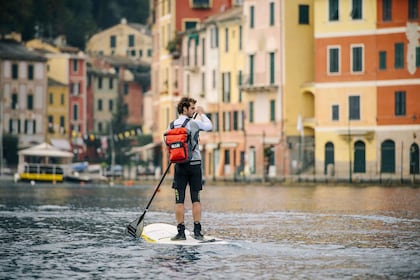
157,188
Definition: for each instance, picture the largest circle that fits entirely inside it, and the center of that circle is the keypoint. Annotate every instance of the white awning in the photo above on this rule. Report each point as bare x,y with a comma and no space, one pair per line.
45,150
62,144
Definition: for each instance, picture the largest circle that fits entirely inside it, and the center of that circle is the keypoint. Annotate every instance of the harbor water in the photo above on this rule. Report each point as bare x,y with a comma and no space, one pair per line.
274,232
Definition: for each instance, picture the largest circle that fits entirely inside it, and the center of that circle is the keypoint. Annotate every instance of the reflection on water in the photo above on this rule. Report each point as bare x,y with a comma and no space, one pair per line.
299,232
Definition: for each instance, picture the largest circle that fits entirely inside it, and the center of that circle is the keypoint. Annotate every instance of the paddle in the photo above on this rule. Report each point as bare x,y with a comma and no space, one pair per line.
135,228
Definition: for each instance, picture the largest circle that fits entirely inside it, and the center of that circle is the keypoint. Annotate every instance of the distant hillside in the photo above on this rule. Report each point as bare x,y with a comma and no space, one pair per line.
77,19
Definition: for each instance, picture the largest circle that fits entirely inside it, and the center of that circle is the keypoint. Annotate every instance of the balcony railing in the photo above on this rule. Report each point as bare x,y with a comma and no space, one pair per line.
259,81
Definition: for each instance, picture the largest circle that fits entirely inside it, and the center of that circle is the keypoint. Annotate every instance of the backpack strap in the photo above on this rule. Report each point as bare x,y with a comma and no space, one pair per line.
172,125
185,122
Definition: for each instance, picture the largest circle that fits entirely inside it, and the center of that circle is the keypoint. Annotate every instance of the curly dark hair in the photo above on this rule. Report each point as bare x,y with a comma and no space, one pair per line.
185,102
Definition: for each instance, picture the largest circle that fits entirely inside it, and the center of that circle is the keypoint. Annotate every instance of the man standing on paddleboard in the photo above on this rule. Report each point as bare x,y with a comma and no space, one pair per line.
190,172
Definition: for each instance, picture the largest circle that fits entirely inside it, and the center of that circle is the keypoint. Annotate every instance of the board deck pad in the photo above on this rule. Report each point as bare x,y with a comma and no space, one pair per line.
161,233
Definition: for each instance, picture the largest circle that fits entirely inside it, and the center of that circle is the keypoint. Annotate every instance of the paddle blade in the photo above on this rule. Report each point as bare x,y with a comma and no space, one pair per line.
135,228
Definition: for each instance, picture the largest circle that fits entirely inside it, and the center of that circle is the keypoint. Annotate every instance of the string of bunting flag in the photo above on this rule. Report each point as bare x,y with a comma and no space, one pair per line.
91,137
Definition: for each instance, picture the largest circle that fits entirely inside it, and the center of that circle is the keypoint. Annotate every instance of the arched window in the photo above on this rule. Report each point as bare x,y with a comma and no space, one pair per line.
388,157
329,156
414,159
359,157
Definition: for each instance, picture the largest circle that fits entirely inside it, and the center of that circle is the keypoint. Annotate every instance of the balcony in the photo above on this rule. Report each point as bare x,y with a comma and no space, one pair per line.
201,4
259,82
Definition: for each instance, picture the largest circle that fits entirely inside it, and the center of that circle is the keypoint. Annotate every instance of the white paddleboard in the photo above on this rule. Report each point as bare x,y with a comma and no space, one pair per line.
162,233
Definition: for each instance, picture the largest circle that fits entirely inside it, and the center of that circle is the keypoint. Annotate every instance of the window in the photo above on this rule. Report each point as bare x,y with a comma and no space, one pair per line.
272,13
30,101
14,101
399,55
15,71
201,4
303,14
240,37
149,52
240,84
334,60
203,51
251,69
226,87
203,84
333,10
226,123
99,82
51,98
226,40
75,65
382,60
251,17
357,9
110,105
62,99
272,110
357,59
126,88
335,112
214,79
400,102
251,111
111,83
190,25
214,37
386,10
62,121
30,72
235,120
272,68
216,122
75,112
50,123
354,107
113,41
99,104
131,40
413,9
417,56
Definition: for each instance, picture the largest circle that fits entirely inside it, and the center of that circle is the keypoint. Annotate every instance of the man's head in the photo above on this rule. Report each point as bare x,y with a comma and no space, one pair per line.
186,106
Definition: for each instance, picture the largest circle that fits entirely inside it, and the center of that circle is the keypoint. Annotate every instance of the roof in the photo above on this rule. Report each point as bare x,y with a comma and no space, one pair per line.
52,82
45,150
140,27
230,14
13,50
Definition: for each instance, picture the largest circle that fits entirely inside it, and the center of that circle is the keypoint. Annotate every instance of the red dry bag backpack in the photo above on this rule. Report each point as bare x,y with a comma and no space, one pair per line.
178,143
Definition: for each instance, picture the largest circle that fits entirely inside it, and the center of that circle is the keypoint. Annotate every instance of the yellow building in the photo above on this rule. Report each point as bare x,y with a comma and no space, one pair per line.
125,39
57,114
279,70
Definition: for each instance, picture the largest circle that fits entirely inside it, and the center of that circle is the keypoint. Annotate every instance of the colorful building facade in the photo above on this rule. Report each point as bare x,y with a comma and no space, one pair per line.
366,82
23,81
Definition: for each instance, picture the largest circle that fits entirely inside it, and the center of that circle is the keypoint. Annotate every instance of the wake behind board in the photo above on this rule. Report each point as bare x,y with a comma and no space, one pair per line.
160,233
